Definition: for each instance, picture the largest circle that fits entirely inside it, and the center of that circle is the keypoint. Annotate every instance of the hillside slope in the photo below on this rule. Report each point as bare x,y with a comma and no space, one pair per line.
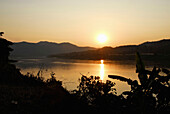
149,49
44,48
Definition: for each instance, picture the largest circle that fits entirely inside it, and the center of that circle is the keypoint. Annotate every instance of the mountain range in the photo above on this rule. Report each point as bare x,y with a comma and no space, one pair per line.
44,48
71,51
150,50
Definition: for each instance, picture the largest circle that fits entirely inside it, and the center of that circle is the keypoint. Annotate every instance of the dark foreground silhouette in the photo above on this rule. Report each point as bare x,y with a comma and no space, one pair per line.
27,94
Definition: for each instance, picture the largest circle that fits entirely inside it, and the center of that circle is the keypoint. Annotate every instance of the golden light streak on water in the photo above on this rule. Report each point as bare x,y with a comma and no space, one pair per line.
102,61
102,70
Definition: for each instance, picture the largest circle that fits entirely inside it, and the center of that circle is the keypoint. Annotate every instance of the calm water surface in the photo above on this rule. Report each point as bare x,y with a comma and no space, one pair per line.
69,71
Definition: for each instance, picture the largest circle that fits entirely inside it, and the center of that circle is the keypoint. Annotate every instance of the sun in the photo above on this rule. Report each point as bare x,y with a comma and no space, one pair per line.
101,38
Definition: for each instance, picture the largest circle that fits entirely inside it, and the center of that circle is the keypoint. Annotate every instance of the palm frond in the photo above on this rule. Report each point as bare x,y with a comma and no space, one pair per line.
121,78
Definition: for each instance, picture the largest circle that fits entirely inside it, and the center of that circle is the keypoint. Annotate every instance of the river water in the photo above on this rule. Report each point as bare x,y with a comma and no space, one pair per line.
69,71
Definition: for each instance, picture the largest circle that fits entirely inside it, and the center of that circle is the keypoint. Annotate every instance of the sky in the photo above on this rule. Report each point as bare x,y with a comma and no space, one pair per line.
124,22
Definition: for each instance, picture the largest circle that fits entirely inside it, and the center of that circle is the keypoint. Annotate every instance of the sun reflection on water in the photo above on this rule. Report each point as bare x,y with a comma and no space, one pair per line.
102,70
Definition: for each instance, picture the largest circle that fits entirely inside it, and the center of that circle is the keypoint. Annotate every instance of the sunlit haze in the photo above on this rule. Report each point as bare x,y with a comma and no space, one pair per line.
81,21
102,38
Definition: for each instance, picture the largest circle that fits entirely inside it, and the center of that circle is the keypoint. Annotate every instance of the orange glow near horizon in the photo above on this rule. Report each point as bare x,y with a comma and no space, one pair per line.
94,23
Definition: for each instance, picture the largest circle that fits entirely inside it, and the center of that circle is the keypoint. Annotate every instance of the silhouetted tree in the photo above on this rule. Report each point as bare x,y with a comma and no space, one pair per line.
1,33
152,93
4,51
9,74
101,96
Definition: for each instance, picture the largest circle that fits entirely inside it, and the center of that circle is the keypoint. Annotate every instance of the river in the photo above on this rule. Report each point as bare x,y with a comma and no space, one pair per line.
69,71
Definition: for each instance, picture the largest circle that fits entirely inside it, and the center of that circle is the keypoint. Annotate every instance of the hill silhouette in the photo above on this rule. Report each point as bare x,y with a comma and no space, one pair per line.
44,48
150,50
155,47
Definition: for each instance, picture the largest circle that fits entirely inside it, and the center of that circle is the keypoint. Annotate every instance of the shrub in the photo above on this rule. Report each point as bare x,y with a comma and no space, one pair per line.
151,94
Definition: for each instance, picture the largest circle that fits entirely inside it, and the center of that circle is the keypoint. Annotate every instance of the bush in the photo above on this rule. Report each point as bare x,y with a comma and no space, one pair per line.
101,96
151,94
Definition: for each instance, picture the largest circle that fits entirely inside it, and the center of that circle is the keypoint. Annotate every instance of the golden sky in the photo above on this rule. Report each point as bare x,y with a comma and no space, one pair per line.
81,21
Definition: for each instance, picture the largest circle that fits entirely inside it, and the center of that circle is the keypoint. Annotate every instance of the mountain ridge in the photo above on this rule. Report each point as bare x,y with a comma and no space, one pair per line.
152,49
44,48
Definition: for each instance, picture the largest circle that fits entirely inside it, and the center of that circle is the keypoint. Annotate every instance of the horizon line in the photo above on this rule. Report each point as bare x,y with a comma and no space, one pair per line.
86,45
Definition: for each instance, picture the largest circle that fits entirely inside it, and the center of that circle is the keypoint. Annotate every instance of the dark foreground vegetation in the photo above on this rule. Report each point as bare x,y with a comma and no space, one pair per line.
27,94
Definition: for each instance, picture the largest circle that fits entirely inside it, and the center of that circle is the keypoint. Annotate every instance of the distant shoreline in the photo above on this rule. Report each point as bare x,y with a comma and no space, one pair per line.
115,57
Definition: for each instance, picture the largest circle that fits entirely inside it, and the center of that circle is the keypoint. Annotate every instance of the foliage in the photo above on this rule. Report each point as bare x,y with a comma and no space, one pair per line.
152,93
4,51
52,81
101,96
92,88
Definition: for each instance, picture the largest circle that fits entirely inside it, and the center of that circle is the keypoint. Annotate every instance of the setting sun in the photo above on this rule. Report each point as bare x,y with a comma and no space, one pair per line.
102,38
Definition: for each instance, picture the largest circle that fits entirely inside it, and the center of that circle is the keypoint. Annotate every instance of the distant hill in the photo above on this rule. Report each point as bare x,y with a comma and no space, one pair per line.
44,48
155,47
150,50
